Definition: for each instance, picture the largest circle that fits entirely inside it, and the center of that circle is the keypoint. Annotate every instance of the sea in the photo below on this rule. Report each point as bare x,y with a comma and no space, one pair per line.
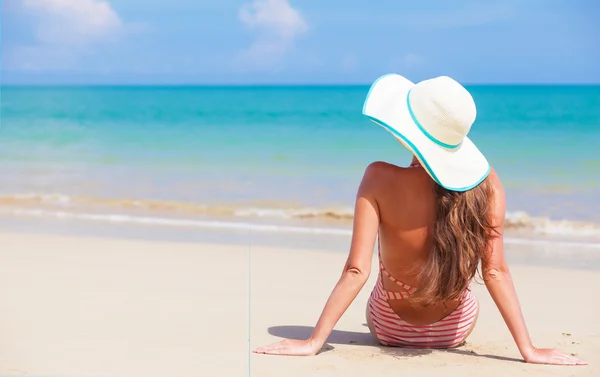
274,160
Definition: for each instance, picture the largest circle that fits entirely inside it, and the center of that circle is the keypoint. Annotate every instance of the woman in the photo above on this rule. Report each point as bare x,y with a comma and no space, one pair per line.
434,222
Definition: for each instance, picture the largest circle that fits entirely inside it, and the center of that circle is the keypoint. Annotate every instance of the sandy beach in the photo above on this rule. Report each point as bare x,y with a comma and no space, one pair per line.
112,307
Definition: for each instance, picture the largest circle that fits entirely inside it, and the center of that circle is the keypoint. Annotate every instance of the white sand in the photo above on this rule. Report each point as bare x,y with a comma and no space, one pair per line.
103,307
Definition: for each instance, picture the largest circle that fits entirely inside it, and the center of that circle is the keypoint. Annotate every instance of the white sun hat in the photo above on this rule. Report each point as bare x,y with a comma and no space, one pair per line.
432,119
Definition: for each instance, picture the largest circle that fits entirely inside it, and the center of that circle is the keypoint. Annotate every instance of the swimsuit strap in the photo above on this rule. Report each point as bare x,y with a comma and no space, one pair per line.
408,290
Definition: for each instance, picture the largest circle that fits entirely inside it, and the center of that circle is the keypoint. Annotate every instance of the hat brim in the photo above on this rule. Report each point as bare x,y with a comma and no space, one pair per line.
456,169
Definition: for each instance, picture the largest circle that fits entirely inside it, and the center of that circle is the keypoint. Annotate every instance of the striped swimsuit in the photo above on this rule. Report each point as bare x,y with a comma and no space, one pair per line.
391,330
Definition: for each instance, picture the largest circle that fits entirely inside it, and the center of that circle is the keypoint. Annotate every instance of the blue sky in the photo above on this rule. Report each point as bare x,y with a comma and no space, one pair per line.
298,41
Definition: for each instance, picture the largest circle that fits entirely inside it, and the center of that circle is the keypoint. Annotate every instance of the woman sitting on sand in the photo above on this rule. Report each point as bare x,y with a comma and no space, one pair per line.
434,222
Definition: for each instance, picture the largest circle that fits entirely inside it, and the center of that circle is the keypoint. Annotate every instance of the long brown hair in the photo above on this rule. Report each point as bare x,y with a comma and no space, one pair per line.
461,234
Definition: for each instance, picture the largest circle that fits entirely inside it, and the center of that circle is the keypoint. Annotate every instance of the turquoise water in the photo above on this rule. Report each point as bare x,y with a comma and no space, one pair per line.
262,151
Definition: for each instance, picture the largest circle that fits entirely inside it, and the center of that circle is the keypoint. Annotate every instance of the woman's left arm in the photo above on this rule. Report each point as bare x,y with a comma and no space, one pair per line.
354,276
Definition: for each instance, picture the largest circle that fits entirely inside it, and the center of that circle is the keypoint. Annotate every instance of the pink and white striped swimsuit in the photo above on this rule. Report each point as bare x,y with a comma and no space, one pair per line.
391,330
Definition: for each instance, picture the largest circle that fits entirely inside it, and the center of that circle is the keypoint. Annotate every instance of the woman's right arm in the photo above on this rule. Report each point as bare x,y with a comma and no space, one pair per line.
499,283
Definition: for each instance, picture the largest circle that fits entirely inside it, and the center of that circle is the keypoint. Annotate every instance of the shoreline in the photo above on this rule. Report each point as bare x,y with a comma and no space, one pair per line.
83,306
519,226
522,250
263,215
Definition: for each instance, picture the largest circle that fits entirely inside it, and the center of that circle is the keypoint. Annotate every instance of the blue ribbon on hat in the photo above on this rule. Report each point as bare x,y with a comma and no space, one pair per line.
429,136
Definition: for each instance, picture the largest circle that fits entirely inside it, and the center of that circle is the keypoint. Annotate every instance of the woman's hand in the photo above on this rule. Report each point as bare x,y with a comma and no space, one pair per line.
551,356
290,347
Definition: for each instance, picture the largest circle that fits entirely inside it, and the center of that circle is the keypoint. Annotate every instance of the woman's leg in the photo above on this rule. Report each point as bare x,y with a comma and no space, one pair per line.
370,324
471,327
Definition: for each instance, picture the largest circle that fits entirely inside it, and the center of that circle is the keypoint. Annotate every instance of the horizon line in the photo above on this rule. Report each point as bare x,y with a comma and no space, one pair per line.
241,85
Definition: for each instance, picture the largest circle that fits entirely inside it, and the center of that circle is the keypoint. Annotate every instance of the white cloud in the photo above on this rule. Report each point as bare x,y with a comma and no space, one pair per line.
64,31
74,22
277,25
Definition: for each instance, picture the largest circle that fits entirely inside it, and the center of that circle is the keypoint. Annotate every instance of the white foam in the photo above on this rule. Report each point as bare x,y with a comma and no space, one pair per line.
547,226
261,212
44,198
245,226
118,218
517,220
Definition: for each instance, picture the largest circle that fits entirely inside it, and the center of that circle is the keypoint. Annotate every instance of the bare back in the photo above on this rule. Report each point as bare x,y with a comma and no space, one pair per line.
406,202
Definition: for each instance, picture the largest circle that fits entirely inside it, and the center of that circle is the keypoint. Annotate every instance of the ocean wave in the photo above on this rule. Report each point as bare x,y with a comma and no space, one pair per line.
251,227
518,221
145,220
298,213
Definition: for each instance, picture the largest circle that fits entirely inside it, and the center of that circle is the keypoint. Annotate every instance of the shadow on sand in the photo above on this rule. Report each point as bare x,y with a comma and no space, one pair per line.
365,339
